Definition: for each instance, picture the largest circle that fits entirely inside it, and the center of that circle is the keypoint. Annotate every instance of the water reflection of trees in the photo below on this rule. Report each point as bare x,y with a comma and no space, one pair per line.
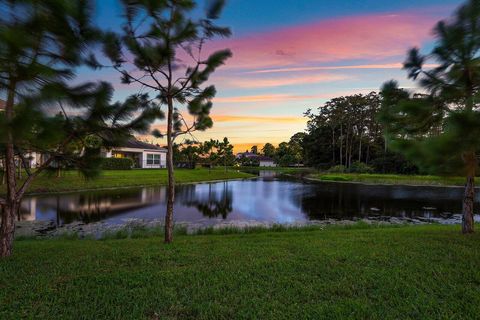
346,201
214,203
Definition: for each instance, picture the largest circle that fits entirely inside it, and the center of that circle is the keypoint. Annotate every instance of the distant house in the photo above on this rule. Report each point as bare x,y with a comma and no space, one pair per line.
266,161
263,161
247,154
2,105
144,155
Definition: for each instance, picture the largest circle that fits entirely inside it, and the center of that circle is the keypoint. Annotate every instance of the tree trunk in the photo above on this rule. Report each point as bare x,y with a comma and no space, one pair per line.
171,175
468,200
360,148
7,228
469,196
341,145
333,146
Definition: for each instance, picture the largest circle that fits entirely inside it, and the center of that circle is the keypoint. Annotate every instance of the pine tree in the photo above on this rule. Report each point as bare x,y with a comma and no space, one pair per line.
440,129
41,44
166,47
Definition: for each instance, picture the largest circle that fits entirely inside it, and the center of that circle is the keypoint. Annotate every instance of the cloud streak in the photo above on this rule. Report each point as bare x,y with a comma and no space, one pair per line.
256,119
235,82
278,97
396,66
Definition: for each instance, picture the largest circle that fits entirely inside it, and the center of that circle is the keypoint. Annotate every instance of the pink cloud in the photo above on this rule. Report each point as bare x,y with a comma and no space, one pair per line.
396,66
357,37
279,82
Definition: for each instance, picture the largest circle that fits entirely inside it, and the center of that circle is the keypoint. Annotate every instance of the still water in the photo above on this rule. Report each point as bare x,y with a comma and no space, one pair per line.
265,199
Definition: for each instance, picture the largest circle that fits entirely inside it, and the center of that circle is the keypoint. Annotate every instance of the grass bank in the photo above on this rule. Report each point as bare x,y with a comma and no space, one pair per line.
73,181
421,272
394,179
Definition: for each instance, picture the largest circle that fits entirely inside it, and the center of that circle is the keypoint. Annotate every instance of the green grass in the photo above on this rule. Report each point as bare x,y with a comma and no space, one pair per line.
421,272
72,181
391,179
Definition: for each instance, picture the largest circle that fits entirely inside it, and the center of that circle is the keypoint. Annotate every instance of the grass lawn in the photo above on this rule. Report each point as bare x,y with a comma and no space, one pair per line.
391,179
421,272
72,181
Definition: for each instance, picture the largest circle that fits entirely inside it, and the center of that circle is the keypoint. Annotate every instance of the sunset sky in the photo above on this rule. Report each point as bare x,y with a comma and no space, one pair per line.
292,55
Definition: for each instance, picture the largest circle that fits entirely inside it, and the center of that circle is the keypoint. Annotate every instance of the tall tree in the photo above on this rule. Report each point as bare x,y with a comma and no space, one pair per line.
225,153
254,149
41,42
440,130
268,150
166,47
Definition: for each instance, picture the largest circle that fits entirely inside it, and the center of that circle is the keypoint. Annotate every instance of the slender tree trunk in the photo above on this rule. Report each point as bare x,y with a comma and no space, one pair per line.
7,228
4,173
360,149
341,145
469,196
333,146
171,175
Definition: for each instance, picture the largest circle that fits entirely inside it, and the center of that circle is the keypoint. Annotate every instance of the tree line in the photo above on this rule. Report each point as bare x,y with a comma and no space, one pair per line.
208,153
346,131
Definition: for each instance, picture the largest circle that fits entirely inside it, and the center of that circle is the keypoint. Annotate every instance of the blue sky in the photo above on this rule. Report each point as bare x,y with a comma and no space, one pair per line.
292,55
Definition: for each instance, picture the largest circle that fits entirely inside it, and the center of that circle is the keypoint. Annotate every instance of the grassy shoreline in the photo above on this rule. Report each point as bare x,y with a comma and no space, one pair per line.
421,272
71,180
390,179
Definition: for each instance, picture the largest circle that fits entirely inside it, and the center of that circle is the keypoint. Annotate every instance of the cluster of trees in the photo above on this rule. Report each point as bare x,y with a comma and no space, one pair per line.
347,131
159,52
210,153
287,154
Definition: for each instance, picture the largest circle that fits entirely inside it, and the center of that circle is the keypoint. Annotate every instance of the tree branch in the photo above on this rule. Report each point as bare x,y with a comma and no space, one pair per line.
28,181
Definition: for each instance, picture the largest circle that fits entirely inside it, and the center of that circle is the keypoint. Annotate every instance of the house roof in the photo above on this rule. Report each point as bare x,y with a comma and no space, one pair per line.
136,144
263,158
247,155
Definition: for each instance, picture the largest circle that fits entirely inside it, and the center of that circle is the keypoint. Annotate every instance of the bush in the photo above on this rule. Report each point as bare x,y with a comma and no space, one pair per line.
360,167
394,163
337,169
117,164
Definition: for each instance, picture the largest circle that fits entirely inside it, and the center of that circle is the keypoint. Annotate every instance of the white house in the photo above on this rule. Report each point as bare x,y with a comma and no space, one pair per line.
144,155
266,161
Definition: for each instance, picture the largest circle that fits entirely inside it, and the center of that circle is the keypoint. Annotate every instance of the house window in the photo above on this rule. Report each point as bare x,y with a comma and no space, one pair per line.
153,159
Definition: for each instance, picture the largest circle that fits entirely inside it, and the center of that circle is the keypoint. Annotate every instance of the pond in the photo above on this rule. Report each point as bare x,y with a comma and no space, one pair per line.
266,199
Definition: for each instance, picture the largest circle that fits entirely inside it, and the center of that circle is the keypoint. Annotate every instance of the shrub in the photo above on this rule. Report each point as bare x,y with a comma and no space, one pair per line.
360,167
117,164
337,169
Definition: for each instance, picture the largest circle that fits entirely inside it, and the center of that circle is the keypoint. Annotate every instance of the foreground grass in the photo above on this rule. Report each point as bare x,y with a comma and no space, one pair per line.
73,181
391,179
426,272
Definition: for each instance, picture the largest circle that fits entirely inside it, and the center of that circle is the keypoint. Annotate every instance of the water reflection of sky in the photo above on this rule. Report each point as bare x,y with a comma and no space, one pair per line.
265,199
